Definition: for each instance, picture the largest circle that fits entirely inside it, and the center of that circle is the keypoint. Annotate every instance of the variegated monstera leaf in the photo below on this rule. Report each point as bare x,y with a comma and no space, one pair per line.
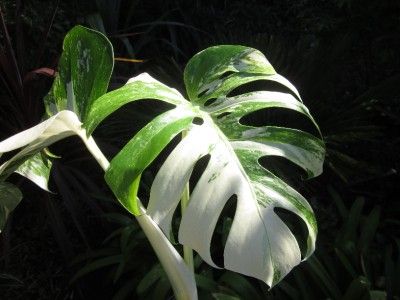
259,243
83,74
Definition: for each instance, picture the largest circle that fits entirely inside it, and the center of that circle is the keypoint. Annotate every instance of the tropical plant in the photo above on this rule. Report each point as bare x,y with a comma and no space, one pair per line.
27,68
259,243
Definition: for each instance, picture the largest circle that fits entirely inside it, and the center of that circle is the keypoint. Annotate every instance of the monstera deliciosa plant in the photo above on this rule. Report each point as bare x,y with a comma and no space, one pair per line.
259,243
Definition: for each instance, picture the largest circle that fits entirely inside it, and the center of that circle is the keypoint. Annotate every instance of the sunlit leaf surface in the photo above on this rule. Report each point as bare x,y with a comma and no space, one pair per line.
259,244
37,169
28,161
84,72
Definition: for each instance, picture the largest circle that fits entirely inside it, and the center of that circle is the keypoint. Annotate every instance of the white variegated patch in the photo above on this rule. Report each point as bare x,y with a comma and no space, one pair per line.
259,243
37,169
182,279
35,139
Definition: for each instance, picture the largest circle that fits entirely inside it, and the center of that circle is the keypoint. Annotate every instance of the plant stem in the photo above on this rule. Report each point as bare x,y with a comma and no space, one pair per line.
181,277
95,151
187,251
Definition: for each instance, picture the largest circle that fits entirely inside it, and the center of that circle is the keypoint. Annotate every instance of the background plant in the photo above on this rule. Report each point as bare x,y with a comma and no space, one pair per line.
27,68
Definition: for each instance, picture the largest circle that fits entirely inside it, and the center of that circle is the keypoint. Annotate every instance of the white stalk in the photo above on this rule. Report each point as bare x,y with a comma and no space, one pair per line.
94,150
181,277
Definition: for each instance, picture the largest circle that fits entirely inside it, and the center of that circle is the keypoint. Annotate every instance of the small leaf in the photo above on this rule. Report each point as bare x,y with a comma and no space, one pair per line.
10,196
84,72
37,169
35,139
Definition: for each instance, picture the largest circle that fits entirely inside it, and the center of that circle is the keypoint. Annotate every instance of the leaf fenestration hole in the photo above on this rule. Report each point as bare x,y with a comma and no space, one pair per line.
281,167
198,170
226,74
281,117
150,172
125,122
221,231
210,102
224,114
259,85
175,223
296,225
201,94
198,121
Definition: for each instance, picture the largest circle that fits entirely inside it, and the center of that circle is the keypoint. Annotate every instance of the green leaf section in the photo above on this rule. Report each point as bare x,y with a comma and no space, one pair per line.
84,72
10,196
140,87
83,75
125,169
232,109
37,169
215,72
299,147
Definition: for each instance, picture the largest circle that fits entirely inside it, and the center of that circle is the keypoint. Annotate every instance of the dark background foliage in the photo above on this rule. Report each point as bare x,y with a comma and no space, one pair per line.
343,55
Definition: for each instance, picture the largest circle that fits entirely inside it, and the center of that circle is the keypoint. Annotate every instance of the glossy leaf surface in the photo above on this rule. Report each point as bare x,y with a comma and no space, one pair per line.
84,72
37,169
28,162
259,244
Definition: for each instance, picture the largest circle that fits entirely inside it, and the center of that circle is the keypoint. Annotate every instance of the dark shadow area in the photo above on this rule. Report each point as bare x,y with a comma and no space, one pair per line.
198,171
280,117
284,169
296,226
221,231
260,85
